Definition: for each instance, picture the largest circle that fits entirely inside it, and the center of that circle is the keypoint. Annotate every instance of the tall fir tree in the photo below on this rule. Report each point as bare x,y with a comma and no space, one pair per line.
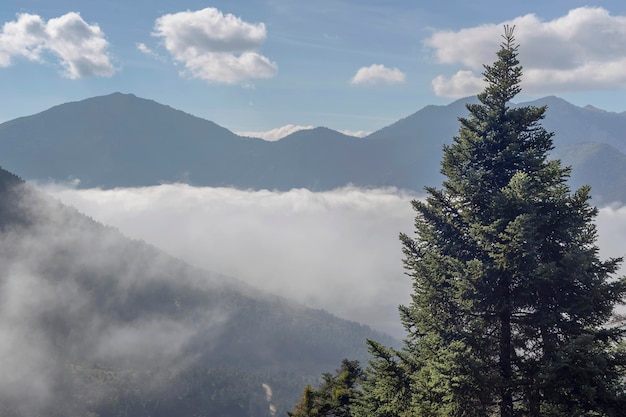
511,304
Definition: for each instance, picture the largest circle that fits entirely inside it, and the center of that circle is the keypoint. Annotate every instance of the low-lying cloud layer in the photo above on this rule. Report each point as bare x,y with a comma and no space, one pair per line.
275,134
583,50
337,250
80,47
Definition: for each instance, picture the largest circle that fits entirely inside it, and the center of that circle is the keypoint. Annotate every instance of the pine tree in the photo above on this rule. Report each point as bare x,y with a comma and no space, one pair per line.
511,303
335,395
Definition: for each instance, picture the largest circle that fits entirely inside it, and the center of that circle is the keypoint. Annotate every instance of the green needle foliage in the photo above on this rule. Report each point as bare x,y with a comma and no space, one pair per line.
335,395
511,305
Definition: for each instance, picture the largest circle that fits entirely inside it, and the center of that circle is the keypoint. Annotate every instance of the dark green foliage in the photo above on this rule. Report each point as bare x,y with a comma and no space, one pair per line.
10,212
511,303
195,392
387,386
336,394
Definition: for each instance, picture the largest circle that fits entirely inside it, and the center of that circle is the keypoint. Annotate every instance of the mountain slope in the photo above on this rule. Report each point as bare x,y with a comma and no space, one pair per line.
574,125
413,145
121,140
598,164
118,140
92,323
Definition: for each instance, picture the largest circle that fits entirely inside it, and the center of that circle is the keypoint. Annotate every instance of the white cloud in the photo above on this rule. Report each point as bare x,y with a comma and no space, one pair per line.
356,133
461,84
583,50
275,134
80,47
143,48
377,73
215,47
611,223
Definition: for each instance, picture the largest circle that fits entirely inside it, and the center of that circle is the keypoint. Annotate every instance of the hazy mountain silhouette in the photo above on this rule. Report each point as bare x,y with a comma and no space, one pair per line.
413,145
122,140
92,323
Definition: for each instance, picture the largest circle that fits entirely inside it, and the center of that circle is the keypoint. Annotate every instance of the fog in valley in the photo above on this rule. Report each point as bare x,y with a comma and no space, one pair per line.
93,322
336,250
62,303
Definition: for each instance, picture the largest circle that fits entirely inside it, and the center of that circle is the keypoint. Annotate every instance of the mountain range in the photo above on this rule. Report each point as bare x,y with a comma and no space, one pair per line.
122,140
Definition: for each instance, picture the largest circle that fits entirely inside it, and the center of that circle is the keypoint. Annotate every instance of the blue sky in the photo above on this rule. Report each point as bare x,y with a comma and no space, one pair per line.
255,66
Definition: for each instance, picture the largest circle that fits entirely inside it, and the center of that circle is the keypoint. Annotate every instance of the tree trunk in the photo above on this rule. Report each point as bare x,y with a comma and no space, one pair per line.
506,397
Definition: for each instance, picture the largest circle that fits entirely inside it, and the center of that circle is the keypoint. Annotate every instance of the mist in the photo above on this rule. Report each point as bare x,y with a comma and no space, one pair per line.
337,250
62,304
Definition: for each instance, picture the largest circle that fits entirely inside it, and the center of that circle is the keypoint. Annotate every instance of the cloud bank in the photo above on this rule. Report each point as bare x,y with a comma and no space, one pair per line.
581,51
377,74
337,250
81,48
215,47
275,134
356,133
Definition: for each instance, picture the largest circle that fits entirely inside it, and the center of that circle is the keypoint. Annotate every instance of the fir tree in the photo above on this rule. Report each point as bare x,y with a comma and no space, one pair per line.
335,395
511,303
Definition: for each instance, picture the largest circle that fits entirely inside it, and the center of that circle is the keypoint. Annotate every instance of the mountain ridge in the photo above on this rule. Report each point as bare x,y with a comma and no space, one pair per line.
123,140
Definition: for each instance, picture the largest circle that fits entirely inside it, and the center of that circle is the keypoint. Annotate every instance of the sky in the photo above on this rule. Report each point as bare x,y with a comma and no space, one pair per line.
269,67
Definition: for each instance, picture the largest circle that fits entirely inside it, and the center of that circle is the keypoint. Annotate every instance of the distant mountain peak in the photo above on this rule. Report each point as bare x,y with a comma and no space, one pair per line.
316,132
593,108
118,93
550,101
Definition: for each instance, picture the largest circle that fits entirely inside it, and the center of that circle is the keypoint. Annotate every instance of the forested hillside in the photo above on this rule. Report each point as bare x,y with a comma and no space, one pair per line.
92,323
